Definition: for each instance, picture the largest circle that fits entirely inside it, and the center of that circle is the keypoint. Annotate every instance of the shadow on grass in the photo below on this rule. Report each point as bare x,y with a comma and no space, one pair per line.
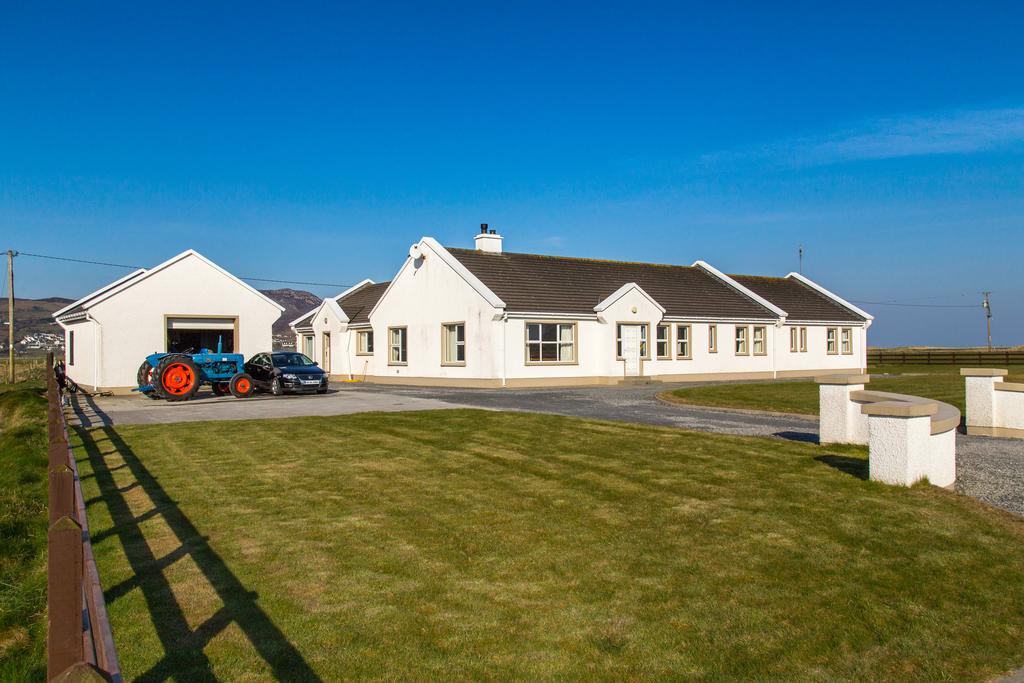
857,467
184,657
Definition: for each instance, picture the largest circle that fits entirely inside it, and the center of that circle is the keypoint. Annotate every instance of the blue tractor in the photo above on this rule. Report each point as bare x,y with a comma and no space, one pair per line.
178,376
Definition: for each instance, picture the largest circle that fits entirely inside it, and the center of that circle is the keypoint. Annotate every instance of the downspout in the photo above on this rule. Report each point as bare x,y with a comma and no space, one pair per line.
348,353
96,355
504,350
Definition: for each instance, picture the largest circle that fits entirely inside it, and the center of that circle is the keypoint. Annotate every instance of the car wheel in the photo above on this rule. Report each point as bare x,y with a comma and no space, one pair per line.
276,388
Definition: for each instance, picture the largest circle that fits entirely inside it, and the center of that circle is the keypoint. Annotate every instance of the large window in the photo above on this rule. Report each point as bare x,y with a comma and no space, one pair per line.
742,348
846,338
398,342
643,341
550,342
364,343
831,340
683,338
760,341
453,344
712,338
664,342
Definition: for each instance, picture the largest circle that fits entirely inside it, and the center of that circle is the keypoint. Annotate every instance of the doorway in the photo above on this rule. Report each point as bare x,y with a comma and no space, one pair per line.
631,349
325,353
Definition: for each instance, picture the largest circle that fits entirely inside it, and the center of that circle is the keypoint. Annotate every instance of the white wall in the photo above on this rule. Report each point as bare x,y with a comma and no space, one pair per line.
82,372
817,357
132,323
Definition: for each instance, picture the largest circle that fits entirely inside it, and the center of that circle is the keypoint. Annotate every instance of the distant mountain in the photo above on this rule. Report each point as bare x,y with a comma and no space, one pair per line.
295,302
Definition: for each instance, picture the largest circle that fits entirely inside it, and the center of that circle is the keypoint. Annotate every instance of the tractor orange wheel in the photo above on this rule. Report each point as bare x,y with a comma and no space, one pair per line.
243,385
178,379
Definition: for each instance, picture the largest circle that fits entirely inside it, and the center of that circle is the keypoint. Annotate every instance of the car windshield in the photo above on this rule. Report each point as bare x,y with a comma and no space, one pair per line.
284,360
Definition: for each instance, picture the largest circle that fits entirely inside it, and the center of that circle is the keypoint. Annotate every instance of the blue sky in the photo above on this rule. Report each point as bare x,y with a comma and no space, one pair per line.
316,142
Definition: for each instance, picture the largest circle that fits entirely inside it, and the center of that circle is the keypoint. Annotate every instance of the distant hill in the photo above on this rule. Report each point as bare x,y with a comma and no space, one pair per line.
33,316
295,302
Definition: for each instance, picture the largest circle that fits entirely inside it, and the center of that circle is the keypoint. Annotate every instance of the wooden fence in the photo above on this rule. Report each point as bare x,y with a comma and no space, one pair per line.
25,368
79,641
943,357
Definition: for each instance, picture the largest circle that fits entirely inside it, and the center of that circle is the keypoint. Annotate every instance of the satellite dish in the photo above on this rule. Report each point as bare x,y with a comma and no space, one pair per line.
415,253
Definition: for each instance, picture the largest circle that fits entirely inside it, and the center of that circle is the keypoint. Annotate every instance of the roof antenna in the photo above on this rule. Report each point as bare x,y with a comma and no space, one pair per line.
801,252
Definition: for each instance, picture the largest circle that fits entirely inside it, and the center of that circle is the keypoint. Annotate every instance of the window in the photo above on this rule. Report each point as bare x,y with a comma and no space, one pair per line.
712,338
794,333
741,341
453,344
846,338
683,348
307,344
803,340
71,347
664,342
830,340
364,343
399,346
550,342
760,341
643,341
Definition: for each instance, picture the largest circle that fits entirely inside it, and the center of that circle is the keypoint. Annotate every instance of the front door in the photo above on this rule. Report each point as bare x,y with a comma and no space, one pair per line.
631,349
326,353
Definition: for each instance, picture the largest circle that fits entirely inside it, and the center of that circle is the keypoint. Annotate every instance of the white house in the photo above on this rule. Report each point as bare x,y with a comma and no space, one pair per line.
486,317
185,302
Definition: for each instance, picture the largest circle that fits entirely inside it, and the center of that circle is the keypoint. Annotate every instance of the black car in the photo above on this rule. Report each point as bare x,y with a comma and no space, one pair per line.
281,371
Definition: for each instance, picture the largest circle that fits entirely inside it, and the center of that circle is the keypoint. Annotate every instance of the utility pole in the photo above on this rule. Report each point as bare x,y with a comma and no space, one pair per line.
10,315
801,252
988,317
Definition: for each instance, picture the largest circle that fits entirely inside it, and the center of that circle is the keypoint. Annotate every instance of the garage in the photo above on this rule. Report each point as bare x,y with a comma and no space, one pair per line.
189,334
186,303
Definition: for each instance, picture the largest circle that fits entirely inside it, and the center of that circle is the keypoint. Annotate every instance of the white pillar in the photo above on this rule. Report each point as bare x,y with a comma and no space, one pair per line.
898,447
981,395
839,418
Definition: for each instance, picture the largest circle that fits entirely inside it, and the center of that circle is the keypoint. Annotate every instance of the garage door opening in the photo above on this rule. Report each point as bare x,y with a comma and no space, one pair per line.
189,335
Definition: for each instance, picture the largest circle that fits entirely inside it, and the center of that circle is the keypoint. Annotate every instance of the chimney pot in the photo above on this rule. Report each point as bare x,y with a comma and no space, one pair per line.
488,240
483,228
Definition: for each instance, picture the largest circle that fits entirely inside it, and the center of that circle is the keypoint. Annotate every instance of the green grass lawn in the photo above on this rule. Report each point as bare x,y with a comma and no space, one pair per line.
941,382
23,465
484,545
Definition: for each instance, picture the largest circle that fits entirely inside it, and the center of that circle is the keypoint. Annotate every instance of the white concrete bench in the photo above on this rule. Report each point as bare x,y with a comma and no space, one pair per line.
909,438
994,407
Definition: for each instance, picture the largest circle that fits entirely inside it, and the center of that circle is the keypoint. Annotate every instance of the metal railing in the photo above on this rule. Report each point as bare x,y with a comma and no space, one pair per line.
79,640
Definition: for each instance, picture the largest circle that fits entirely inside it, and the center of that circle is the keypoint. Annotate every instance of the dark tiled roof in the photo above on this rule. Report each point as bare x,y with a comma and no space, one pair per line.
800,301
356,305
554,284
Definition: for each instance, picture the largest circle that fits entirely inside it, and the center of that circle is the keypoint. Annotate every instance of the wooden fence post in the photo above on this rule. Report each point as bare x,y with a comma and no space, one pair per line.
62,493
64,646
79,673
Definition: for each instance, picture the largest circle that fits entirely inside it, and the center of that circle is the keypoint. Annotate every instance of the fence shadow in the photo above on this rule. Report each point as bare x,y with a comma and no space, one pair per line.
184,657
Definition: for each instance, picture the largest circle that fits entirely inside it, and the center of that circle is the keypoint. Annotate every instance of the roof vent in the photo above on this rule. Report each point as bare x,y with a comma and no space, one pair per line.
488,240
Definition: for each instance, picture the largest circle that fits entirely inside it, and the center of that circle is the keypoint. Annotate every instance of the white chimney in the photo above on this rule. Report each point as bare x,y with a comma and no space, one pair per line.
488,240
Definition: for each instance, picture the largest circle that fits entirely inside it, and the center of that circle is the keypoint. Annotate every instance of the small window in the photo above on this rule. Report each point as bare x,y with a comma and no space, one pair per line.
683,347
712,338
643,342
453,344
399,346
847,341
794,344
664,341
741,341
307,345
760,341
803,340
551,343
831,340
71,347
364,343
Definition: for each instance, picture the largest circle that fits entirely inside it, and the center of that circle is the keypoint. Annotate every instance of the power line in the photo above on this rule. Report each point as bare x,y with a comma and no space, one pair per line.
122,265
892,303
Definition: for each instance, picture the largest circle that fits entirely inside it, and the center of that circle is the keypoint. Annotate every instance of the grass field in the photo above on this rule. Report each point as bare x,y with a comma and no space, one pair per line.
483,545
23,463
941,382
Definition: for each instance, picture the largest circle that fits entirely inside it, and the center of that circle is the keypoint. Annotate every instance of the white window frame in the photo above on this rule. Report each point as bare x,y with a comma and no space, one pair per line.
684,341
667,341
402,346
742,345
446,349
559,343
364,343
